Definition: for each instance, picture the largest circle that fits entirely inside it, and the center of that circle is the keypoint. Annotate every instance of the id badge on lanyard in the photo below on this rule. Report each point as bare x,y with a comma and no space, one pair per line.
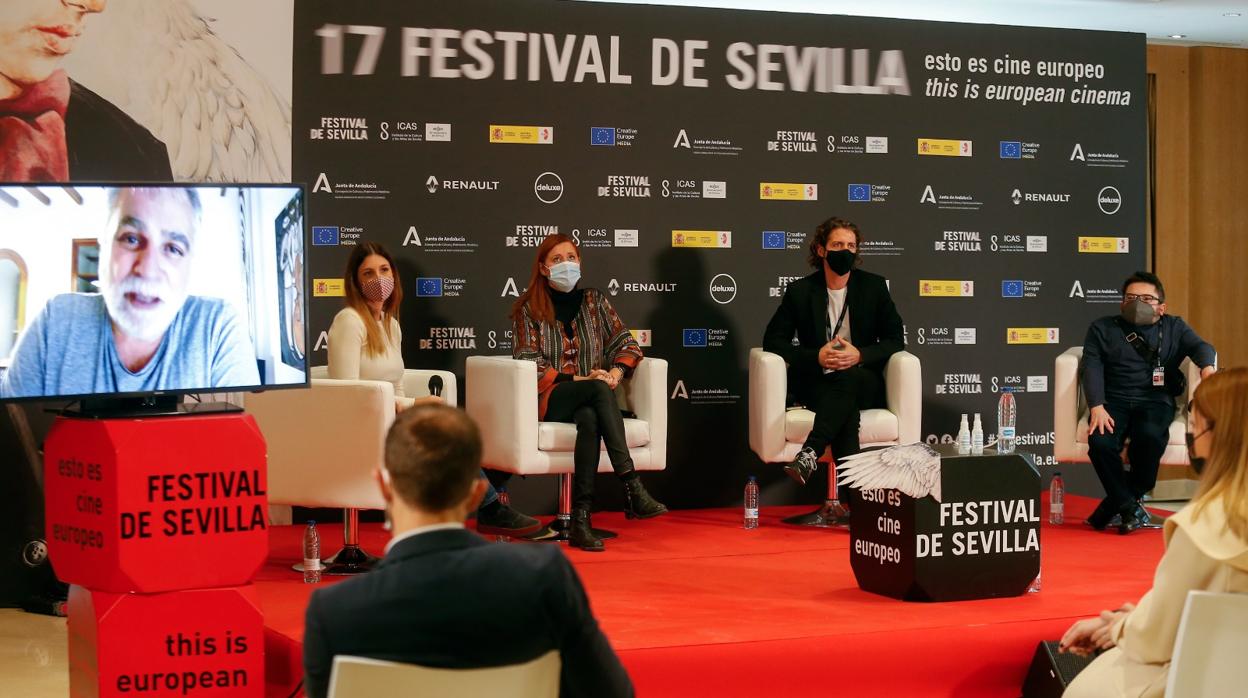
1159,377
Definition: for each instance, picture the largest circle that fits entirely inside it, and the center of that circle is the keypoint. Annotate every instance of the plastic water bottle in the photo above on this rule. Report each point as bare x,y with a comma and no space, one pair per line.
1057,497
751,503
311,554
964,437
1007,415
977,437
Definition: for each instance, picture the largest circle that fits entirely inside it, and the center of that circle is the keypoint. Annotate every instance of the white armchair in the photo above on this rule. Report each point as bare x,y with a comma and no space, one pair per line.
777,433
324,443
501,395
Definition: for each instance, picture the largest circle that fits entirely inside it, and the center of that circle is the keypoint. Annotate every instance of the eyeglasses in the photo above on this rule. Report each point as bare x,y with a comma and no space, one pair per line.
1146,297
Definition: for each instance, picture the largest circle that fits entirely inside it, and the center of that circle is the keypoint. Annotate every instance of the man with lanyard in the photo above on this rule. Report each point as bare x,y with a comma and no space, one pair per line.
836,329
1131,378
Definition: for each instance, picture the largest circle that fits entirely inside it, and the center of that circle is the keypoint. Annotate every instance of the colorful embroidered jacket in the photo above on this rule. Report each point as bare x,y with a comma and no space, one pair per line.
599,340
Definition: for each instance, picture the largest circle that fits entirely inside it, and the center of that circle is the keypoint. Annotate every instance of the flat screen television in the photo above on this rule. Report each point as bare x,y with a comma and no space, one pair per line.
117,293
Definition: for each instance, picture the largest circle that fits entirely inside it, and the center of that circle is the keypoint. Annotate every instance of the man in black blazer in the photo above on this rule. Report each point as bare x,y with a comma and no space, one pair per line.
443,596
846,327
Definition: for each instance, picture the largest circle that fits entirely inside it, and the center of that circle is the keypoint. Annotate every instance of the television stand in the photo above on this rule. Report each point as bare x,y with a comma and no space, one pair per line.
144,406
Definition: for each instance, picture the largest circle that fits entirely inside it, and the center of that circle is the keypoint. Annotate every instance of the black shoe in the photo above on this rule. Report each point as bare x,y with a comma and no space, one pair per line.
803,466
502,520
581,535
1133,519
1102,515
639,504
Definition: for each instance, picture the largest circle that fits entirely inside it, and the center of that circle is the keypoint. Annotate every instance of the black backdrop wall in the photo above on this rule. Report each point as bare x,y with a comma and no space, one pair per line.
997,173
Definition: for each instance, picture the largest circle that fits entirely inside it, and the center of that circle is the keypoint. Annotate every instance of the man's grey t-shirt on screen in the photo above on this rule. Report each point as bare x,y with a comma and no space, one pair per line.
69,350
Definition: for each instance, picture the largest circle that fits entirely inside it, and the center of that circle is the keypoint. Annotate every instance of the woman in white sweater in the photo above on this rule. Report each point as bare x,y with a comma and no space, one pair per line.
366,343
1206,550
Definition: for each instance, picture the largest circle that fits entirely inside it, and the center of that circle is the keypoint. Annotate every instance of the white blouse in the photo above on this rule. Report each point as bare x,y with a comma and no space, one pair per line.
349,361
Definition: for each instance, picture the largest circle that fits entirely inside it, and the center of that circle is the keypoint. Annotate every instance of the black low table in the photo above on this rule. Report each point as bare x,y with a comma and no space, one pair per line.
982,540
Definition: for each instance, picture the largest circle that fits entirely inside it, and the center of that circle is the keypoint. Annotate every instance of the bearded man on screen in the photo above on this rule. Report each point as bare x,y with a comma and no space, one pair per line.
143,332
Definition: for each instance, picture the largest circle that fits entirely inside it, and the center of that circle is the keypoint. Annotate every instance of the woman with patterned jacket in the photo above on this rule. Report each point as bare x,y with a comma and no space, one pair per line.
583,350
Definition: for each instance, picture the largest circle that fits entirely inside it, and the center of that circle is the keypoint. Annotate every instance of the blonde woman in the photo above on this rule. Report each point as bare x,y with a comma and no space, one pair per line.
1206,550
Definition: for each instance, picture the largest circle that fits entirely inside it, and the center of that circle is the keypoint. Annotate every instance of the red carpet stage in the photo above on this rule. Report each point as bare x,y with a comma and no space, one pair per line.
697,606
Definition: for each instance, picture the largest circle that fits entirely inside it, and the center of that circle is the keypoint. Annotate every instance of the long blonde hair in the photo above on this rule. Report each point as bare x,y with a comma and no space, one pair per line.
374,344
1222,399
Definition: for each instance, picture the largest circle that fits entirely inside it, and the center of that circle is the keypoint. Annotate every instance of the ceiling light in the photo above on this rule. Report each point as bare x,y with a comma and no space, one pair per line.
1178,36
1231,14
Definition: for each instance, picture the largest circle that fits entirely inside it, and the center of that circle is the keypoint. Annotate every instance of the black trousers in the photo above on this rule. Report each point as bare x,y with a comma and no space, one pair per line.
1145,426
590,404
836,399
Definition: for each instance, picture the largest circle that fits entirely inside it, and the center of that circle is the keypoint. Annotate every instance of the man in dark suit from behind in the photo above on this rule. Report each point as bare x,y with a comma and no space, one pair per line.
443,596
846,327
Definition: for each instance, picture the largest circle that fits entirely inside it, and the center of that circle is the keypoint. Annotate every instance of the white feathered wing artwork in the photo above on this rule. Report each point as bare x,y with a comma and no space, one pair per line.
162,63
912,468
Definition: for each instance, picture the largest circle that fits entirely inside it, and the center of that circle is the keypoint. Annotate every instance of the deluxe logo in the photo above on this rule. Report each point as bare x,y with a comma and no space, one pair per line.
324,235
450,338
1104,245
705,146
870,192
611,136
530,235
715,239
1019,150
328,288
340,128
642,337
434,185
787,191
548,187
1017,288
528,135
1019,197
961,384
1098,158
626,187
614,287
1013,242
856,145
1032,335
694,189
945,147
794,142
950,202
723,289
1109,199
962,241
931,288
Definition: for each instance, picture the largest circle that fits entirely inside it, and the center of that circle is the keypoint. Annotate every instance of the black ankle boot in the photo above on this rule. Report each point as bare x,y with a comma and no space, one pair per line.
580,535
639,504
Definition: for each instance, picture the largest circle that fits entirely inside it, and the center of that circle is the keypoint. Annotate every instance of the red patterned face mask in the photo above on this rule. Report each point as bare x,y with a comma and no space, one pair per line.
378,288
32,132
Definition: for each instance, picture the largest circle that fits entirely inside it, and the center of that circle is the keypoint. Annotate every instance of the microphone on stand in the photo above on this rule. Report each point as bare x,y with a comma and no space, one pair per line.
435,385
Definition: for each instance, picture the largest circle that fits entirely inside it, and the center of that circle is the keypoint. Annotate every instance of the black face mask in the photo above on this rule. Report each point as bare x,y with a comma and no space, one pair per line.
840,261
1198,463
1139,313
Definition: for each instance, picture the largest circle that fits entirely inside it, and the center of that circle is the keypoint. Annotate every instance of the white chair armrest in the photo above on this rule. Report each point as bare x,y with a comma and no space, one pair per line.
768,387
903,385
416,384
1066,405
324,442
646,394
501,395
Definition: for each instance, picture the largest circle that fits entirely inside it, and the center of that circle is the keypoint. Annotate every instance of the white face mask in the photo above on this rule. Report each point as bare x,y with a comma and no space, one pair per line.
564,276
